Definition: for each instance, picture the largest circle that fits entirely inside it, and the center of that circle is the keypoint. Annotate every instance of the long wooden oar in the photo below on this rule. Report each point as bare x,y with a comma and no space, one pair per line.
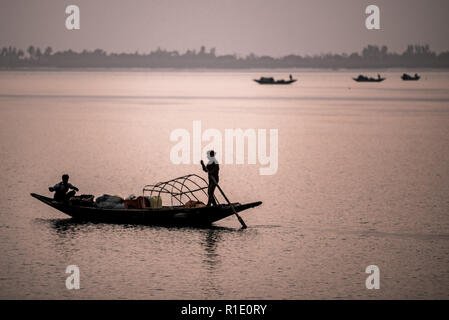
232,207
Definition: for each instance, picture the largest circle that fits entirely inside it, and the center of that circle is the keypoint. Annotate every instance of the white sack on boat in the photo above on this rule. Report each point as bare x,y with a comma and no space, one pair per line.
109,198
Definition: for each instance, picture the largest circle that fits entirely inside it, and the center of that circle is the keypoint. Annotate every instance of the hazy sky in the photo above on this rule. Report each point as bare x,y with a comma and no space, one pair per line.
274,27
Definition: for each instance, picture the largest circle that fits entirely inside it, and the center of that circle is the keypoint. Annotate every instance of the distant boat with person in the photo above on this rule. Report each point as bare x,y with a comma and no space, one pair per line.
407,77
362,78
270,80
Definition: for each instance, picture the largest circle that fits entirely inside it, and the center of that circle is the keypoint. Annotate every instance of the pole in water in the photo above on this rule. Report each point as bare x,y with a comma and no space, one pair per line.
232,207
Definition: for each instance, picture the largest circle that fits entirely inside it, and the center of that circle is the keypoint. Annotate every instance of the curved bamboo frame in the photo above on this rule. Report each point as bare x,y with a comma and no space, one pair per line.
179,187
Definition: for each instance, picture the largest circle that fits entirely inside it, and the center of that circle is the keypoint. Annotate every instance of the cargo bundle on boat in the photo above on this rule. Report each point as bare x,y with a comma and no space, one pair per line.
186,205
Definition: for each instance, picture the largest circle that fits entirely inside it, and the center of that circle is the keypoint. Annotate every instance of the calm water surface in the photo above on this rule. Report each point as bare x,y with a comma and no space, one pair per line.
363,179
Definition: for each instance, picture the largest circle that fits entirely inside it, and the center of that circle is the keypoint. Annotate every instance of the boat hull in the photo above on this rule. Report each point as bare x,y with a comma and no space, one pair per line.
368,80
411,79
275,82
163,216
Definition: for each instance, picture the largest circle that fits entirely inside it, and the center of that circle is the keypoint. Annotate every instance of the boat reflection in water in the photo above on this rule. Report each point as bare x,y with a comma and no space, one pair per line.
149,251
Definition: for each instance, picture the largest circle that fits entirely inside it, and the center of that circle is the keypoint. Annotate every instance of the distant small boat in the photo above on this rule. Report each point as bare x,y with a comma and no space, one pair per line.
362,78
270,80
407,77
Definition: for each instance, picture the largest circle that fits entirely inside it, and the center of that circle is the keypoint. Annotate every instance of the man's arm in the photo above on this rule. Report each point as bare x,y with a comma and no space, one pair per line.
204,167
73,187
54,188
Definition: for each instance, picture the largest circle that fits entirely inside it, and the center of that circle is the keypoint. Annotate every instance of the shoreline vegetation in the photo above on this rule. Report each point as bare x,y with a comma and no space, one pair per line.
371,57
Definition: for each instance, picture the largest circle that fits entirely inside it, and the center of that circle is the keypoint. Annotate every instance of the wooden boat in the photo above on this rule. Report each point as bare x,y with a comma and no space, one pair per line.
178,214
270,80
407,77
361,78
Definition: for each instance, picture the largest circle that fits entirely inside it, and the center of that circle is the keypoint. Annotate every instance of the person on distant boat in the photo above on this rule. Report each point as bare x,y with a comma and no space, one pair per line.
61,189
291,78
378,76
212,169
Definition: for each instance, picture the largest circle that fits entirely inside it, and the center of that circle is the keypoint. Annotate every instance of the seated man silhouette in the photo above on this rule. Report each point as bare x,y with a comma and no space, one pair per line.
212,169
61,189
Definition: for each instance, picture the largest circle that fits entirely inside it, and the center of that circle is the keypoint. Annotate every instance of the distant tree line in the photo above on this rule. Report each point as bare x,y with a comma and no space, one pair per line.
415,56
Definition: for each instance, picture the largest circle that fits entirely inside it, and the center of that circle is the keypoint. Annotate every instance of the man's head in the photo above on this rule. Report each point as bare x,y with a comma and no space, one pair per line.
211,156
65,178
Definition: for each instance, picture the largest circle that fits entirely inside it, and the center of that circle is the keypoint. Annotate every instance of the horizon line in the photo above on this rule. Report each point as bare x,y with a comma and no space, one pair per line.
211,50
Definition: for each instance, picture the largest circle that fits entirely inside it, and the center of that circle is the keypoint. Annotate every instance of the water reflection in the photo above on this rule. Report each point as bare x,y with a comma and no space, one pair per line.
211,262
211,258
67,226
70,236
70,226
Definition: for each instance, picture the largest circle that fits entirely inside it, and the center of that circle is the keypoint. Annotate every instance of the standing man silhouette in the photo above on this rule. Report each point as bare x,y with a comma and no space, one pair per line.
212,169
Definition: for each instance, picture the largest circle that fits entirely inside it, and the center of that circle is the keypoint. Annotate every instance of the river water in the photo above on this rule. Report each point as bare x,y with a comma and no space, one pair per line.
362,179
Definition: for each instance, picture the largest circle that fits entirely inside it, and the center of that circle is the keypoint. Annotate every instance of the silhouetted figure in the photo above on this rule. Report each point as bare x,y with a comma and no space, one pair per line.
61,189
291,78
407,77
378,76
212,169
